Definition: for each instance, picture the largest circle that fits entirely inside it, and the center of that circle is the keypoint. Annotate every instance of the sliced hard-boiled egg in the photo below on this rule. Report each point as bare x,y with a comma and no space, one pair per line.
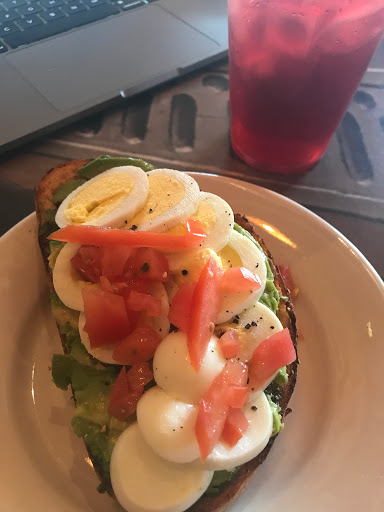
173,196
253,325
108,199
159,324
67,282
144,482
259,415
216,217
241,252
173,371
168,425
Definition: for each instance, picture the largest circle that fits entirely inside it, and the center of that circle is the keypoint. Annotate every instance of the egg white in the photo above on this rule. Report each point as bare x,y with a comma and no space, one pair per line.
168,425
174,373
144,482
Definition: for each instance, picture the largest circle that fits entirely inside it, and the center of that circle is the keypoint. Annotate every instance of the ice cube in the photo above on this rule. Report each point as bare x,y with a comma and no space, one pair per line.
291,32
352,28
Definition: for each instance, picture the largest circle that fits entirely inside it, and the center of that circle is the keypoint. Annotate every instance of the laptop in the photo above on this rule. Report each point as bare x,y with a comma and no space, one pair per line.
60,59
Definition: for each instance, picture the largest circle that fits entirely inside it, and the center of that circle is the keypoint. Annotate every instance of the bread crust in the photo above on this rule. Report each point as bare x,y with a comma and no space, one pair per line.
230,491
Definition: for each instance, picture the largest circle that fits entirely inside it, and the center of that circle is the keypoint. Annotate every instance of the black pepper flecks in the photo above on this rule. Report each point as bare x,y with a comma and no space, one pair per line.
235,321
133,227
248,326
272,326
253,323
254,408
145,267
150,210
184,272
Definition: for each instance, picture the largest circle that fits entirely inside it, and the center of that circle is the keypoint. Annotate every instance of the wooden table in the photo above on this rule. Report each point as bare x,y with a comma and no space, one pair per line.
185,125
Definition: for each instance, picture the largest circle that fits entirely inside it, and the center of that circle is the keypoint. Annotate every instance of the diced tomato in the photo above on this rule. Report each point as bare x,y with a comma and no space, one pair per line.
181,307
137,301
139,375
87,261
92,235
234,427
240,279
123,288
236,373
272,354
211,417
229,344
114,259
205,307
151,264
106,285
106,318
213,407
138,347
286,274
238,396
123,399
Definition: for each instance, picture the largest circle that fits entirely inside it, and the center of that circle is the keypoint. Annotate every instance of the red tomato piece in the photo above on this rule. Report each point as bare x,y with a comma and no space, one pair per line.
238,396
234,427
240,279
211,417
151,264
142,302
139,375
236,373
124,287
206,302
114,259
106,285
87,262
272,354
93,235
106,318
286,274
138,347
123,399
229,344
181,307
213,407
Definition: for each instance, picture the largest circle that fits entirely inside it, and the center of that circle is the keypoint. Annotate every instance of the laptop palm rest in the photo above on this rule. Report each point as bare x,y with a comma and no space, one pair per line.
126,57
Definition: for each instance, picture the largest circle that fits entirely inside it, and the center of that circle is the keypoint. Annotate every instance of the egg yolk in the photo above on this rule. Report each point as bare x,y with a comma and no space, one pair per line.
164,193
204,213
99,198
229,258
194,264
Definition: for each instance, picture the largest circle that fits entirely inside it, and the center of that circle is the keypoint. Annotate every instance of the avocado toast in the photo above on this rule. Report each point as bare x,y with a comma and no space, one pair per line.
92,380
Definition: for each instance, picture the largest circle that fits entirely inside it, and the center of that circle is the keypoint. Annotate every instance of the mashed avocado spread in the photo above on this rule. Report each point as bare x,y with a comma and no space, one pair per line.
91,380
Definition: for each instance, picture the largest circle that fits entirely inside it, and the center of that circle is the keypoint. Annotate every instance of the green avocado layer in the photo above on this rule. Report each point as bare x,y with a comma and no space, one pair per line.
91,381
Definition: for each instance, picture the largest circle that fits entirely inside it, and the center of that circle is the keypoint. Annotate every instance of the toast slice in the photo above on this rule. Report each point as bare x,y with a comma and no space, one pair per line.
228,491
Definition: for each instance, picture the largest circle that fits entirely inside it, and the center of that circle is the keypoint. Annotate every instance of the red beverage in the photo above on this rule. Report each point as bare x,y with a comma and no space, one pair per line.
294,66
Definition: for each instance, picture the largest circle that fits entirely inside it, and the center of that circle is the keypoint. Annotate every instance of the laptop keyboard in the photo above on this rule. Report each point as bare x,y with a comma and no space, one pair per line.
24,22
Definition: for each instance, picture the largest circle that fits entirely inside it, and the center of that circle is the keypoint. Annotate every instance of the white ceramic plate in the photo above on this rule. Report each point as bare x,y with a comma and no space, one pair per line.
330,455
